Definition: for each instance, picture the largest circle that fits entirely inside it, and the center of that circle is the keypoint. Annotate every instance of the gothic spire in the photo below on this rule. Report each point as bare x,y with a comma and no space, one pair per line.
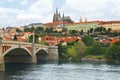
59,14
63,15
56,11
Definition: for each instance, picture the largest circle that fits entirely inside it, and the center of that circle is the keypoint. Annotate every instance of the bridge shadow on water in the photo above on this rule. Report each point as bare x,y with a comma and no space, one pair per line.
20,69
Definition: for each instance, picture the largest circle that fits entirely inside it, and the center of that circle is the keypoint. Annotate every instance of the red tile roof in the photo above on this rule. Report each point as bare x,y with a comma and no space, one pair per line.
109,22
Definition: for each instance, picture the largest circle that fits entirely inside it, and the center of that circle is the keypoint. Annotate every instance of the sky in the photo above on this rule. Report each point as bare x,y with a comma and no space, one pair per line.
24,12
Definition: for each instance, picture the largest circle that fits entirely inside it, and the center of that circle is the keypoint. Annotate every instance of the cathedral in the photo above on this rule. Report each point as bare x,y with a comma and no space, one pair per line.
57,17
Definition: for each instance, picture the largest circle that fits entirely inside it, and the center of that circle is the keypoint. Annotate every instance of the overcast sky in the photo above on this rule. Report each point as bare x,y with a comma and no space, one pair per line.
23,12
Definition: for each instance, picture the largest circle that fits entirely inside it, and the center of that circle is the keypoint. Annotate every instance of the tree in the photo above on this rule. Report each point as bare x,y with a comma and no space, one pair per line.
49,30
91,30
80,48
100,29
96,49
62,50
15,38
72,52
109,29
113,52
81,32
73,32
64,30
88,40
88,32
39,30
31,38
28,29
18,30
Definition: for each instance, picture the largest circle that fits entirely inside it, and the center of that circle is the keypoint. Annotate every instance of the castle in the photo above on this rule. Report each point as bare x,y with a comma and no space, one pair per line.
57,17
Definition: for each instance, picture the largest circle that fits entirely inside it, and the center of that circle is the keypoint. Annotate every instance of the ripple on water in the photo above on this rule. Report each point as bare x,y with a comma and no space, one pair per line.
64,71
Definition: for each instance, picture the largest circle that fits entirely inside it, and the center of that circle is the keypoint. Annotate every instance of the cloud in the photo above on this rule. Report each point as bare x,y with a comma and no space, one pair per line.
7,16
93,9
42,10
41,7
24,2
39,11
10,0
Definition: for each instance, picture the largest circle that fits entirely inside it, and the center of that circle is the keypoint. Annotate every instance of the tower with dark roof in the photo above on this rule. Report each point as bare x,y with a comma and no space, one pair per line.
57,17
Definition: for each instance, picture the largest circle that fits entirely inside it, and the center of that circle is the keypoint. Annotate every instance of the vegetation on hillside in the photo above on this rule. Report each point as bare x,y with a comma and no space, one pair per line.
85,48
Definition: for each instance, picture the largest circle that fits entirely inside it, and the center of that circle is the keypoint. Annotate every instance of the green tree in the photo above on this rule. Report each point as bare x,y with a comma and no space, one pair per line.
62,50
31,38
73,32
88,32
28,29
18,30
64,30
39,30
113,52
49,30
15,38
88,40
73,53
100,29
80,48
96,49
91,30
109,29
81,32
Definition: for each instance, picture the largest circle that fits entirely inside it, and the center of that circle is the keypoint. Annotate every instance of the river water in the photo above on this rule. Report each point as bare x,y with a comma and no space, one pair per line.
61,71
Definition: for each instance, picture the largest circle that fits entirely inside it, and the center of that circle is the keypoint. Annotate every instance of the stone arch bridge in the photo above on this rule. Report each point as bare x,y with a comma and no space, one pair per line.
23,52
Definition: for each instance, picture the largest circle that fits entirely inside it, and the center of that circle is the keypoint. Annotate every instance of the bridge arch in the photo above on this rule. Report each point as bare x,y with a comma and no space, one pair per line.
41,50
27,52
41,54
17,55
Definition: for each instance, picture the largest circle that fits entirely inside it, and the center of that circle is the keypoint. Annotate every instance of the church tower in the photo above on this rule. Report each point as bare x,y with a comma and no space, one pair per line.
80,19
56,16
85,19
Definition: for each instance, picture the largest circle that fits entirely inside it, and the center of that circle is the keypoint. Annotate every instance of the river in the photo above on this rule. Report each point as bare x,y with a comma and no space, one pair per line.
61,71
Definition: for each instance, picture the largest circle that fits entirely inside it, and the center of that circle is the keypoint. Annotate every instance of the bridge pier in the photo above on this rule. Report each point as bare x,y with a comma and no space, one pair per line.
33,59
53,53
2,65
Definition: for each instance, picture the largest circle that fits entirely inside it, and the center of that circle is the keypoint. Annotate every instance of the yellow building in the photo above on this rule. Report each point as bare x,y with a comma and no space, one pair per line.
114,25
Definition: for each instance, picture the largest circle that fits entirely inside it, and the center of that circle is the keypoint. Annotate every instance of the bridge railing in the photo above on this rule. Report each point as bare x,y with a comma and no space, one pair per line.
39,45
10,43
22,43
15,42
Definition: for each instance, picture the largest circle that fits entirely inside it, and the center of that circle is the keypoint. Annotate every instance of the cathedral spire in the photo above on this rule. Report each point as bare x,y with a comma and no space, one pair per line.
59,14
56,11
63,15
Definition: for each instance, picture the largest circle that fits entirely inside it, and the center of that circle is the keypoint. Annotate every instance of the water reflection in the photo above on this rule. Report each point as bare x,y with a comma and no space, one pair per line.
2,75
61,71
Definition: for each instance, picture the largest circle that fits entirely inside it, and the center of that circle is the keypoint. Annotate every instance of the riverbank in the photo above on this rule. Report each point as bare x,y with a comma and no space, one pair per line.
89,58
